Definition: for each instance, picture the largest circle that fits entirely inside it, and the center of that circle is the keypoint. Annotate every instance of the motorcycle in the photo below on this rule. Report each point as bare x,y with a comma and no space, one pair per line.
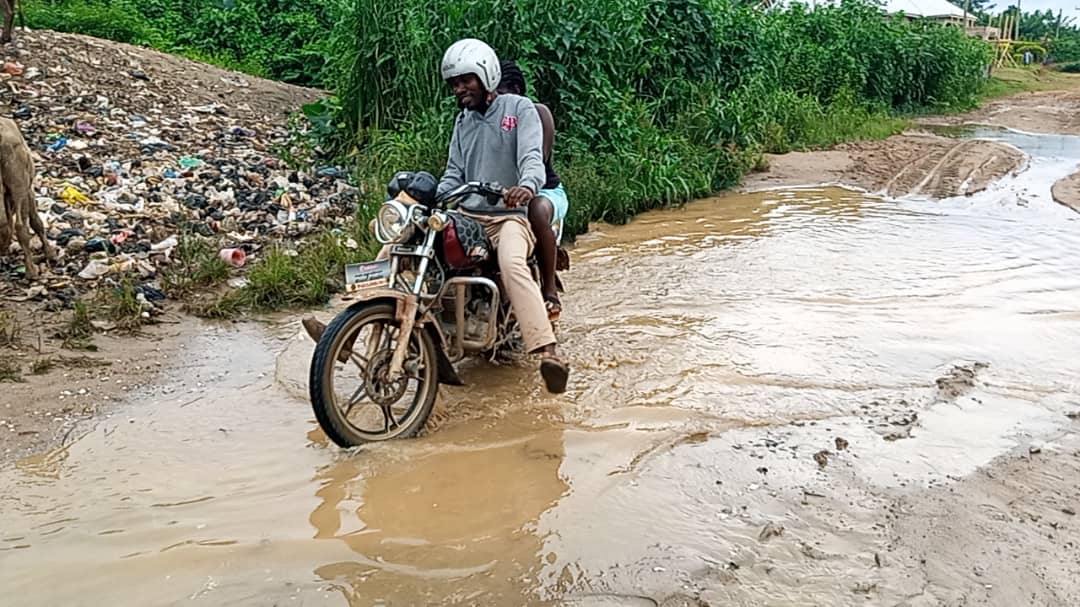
431,300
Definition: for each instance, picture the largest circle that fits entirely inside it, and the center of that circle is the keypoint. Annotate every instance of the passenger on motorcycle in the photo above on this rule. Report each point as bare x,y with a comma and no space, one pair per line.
499,138
547,211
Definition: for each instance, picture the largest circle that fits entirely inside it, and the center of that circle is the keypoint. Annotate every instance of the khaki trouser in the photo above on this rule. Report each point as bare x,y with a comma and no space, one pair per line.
513,240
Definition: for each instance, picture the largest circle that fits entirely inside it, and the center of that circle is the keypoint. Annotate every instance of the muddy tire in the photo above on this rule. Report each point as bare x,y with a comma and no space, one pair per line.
326,363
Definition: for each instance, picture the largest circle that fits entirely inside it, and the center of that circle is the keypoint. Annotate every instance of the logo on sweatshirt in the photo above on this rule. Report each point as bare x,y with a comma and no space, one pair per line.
509,123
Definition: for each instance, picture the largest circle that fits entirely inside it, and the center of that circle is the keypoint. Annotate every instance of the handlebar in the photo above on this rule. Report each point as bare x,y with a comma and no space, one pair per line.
492,192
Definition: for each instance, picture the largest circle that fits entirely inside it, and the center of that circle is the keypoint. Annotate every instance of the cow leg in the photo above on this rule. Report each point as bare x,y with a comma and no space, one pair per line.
23,234
39,227
6,209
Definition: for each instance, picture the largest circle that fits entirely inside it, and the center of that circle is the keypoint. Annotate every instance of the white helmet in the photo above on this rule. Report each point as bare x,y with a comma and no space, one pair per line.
471,56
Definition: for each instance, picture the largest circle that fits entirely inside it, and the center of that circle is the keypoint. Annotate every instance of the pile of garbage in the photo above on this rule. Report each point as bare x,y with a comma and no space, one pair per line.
136,149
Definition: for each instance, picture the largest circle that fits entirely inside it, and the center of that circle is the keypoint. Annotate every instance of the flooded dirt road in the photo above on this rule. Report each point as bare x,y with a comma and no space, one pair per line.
797,397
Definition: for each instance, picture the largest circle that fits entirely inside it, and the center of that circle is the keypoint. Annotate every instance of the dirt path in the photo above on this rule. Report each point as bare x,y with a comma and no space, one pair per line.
912,164
921,163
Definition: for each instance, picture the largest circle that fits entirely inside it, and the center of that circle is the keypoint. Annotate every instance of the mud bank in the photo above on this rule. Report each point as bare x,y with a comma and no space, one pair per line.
1038,112
1067,192
52,395
912,164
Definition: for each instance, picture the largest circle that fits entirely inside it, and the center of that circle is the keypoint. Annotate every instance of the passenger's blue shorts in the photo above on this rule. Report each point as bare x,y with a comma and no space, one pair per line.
559,202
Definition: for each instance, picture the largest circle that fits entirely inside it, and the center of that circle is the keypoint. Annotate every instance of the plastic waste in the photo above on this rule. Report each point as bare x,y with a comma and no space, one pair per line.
95,269
121,236
165,245
13,67
72,195
233,256
122,168
99,245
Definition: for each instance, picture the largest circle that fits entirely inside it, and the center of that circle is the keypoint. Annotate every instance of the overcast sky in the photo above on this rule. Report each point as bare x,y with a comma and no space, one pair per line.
1068,7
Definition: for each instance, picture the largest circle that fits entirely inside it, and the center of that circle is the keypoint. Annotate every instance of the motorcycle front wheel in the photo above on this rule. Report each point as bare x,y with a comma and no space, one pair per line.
352,392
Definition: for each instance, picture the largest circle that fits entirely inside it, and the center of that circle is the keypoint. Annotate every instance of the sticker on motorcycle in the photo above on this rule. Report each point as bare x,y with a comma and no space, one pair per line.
359,276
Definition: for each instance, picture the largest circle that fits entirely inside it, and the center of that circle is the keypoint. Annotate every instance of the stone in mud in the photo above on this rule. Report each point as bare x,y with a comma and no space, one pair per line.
682,600
822,458
895,436
959,380
770,531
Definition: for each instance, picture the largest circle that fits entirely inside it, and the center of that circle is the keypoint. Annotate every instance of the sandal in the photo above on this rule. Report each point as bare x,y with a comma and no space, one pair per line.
315,329
555,374
554,307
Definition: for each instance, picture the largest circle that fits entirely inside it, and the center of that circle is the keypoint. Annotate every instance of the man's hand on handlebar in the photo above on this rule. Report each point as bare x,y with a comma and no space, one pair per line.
517,196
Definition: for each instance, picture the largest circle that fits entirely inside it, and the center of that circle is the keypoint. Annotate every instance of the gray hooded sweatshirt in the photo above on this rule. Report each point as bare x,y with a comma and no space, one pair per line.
504,145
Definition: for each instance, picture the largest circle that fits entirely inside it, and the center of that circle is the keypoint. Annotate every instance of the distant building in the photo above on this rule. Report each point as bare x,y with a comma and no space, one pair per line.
941,11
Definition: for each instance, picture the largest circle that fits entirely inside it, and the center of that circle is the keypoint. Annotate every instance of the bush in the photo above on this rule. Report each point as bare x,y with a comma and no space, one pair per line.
656,101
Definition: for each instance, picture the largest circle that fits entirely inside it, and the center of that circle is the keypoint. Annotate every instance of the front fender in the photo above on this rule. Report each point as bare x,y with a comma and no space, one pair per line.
447,374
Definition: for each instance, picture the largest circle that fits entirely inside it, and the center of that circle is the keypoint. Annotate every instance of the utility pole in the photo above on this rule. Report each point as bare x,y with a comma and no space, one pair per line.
967,9
1019,18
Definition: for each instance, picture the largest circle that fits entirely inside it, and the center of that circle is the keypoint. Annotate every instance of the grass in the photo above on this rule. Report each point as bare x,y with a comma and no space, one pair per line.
120,305
287,277
82,362
42,366
1013,80
196,265
9,371
77,333
10,329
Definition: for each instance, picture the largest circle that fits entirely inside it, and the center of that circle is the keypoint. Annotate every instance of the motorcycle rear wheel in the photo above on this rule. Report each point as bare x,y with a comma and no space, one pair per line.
368,357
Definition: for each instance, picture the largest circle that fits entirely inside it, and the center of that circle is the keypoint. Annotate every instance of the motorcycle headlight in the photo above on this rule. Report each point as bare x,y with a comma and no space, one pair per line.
392,224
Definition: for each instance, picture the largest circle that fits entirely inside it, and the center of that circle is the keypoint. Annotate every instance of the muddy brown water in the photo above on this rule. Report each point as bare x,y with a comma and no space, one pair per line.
716,348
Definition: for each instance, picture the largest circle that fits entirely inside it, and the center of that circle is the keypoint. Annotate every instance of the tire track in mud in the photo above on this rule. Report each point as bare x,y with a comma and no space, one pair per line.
935,167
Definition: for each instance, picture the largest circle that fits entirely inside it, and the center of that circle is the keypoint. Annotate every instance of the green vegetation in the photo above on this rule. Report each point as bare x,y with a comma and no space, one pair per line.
78,332
196,264
9,370
286,277
657,101
1012,80
10,329
42,366
120,305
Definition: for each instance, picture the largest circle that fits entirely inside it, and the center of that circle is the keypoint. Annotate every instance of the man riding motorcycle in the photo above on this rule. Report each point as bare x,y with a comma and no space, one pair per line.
499,138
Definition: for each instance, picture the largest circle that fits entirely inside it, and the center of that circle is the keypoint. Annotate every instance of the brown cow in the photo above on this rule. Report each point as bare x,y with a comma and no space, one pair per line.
16,191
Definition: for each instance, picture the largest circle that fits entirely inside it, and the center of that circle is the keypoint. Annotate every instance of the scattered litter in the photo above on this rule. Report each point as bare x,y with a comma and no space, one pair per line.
129,168
233,257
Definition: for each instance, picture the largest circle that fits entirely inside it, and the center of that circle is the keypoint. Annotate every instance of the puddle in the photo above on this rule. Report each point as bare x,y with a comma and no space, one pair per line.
746,337
1039,145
